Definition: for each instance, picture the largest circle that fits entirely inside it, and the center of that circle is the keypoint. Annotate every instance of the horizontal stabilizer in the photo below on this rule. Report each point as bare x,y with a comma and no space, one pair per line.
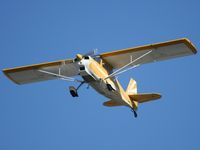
141,98
112,103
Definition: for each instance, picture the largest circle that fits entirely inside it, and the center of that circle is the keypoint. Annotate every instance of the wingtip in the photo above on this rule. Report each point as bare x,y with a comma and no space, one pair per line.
9,77
189,43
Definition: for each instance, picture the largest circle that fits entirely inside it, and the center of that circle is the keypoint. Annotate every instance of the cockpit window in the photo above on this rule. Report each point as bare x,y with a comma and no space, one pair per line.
86,57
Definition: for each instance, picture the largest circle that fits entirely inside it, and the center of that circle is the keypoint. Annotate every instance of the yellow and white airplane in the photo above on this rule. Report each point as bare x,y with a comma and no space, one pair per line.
100,71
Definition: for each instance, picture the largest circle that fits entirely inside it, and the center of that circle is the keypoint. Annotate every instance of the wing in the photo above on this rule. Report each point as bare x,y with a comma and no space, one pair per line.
160,51
32,73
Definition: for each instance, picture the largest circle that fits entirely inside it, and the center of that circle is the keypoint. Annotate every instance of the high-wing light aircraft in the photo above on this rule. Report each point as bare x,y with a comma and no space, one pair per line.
100,71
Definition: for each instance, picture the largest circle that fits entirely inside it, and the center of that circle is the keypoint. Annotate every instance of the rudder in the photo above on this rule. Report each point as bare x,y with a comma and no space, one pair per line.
132,87
132,90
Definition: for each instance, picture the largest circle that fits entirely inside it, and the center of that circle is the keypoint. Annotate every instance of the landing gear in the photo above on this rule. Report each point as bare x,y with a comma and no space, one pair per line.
134,112
74,91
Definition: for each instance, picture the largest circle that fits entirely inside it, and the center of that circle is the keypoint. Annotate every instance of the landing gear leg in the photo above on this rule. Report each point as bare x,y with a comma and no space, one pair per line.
74,91
134,112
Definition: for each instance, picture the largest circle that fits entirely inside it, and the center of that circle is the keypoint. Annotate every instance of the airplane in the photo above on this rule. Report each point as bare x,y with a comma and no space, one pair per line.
100,71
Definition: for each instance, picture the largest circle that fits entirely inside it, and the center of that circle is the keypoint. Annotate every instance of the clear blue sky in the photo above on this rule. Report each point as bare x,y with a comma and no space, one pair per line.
44,115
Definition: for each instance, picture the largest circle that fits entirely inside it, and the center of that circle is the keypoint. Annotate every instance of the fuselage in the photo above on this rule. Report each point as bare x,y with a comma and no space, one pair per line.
94,73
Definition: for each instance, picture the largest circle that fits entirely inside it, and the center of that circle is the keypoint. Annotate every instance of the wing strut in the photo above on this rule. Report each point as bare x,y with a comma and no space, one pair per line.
62,77
125,67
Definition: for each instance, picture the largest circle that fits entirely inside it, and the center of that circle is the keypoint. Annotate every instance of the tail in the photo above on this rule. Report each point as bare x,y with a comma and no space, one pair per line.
135,98
139,98
132,87
132,90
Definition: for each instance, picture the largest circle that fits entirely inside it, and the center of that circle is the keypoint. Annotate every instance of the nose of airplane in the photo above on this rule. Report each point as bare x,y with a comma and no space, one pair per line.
79,57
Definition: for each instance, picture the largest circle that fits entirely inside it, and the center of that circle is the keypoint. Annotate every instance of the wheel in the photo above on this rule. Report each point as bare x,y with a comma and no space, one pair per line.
73,91
134,112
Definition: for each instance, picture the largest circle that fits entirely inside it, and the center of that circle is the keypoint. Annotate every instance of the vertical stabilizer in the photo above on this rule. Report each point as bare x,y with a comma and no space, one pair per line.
132,90
132,87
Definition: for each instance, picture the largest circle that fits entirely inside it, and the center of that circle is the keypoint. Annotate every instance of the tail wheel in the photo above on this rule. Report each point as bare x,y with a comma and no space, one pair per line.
134,112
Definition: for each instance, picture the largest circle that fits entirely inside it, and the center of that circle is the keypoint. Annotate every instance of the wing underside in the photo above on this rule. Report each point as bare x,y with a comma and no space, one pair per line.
159,52
32,73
